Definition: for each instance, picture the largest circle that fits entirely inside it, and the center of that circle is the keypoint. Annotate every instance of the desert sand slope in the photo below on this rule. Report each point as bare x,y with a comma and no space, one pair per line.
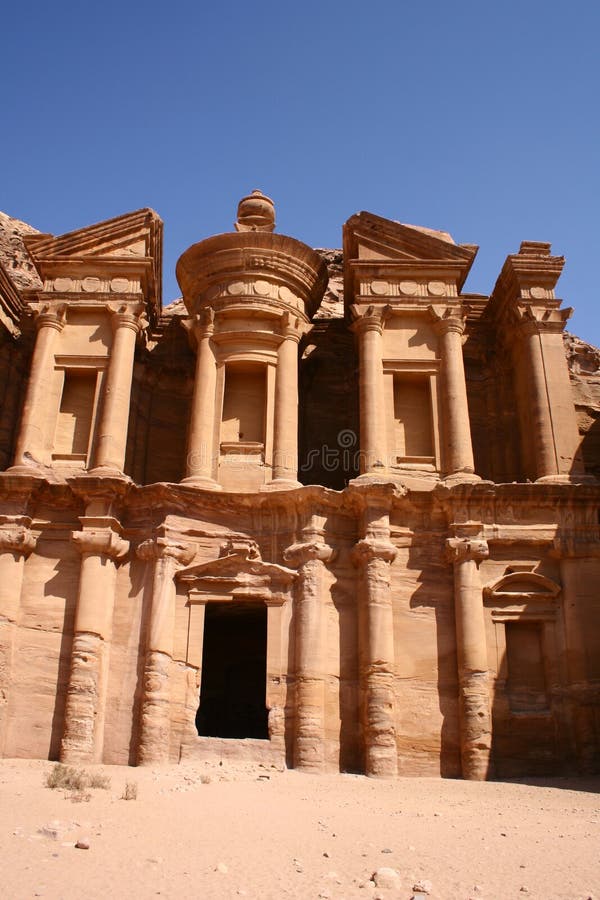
211,831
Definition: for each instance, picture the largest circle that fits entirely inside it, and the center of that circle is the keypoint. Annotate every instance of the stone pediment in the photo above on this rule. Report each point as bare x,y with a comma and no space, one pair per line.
370,237
381,248
127,245
239,573
132,235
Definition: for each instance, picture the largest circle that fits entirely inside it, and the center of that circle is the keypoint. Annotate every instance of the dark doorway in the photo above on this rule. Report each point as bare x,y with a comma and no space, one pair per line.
234,671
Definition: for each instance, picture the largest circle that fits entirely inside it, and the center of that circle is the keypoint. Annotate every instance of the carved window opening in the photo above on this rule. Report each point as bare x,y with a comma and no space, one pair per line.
73,434
234,671
526,682
244,402
413,422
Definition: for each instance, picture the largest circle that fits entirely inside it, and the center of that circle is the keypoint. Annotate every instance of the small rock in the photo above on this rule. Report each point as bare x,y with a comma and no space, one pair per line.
326,854
386,850
221,867
82,844
385,877
423,886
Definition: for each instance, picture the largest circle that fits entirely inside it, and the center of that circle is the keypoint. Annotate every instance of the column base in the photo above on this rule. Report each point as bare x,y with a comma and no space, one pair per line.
461,478
35,469
566,479
203,482
107,472
281,484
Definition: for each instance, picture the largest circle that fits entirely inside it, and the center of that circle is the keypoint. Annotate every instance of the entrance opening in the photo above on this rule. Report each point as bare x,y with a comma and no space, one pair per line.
234,672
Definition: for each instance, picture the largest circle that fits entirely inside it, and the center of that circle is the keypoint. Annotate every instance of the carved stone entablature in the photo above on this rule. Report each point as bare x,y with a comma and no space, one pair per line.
15,536
250,287
460,549
101,536
92,284
238,575
522,595
577,543
379,289
527,278
367,550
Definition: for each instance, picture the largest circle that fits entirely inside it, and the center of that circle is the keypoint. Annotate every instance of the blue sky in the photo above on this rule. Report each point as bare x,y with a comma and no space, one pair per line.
481,119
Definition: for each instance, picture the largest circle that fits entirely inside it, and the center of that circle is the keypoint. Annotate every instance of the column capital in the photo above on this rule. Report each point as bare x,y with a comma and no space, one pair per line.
461,549
127,315
540,319
101,541
367,550
299,554
448,318
291,327
161,547
50,314
15,536
370,318
203,323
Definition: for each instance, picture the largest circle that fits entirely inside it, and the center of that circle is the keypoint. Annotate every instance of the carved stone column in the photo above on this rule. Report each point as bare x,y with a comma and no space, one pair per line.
572,547
547,402
373,447
16,543
32,439
101,547
374,555
167,556
310,557
114,420
471,647
456,428
200,459
285,426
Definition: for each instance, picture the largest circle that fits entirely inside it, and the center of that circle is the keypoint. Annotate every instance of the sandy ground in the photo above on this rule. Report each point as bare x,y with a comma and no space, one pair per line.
210,831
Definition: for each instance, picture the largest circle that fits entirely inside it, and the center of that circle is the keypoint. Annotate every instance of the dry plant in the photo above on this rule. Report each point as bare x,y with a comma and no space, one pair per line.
75,781
130,792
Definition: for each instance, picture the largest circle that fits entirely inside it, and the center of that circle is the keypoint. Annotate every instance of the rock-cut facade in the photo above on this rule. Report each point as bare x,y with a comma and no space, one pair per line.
326,511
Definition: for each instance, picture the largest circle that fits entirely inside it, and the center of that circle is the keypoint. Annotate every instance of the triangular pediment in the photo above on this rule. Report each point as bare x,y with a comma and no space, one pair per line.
370,237
236,568
133,235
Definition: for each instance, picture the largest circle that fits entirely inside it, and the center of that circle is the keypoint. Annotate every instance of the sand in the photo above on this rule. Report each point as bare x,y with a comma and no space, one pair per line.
211,831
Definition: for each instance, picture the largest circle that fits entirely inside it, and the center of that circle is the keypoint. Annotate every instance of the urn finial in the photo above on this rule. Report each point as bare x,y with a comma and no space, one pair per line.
256,212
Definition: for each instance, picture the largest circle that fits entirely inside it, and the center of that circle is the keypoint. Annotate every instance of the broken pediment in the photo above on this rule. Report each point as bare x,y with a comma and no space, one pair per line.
381,247
367,236
131,243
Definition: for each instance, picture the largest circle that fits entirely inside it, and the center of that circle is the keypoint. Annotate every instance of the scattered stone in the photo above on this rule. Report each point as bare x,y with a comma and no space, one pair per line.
385,877
423,886
386,850
221,867
82,844
326,854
